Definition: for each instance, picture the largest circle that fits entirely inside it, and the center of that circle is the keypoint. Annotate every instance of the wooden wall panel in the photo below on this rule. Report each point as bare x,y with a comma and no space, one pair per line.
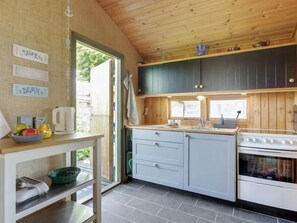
157,110
266,111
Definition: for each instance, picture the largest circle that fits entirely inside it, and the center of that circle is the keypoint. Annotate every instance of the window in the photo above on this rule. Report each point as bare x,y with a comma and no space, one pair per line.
185,109
228,107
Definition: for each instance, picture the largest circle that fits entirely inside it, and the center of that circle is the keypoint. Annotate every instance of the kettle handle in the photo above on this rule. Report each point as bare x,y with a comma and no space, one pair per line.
55,112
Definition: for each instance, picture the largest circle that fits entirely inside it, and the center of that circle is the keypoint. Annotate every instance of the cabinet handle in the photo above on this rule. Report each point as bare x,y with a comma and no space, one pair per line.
156,144
156,133
187,135
155,164
139,90
291,80
201,86
196,86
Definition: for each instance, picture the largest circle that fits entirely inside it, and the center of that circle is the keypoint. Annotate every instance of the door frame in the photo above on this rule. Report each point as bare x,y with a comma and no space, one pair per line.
119,89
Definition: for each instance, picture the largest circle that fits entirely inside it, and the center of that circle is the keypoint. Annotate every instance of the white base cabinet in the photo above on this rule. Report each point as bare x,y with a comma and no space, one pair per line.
158,157
210,165
201,163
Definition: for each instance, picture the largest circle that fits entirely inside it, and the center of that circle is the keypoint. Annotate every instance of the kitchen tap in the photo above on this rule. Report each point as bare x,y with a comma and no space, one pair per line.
202,122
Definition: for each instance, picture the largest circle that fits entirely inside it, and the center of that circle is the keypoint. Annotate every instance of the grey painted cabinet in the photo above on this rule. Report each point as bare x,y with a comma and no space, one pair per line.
210,165
158,157
267,68
175,77
201,163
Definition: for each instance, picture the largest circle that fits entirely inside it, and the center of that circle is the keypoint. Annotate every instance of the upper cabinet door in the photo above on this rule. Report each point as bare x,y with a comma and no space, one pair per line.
183,76
176,77
145,80
272,68
219,73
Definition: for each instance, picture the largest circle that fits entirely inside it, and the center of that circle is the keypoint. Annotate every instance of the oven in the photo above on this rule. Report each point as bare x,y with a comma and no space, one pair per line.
267,168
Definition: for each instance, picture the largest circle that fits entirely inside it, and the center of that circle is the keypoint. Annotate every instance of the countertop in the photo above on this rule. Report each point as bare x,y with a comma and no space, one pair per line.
7,145
182,128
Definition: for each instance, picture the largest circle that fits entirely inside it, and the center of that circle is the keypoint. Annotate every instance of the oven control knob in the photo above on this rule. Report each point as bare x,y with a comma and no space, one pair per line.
284,142
248,139
254,139
271,141
291,142
265,140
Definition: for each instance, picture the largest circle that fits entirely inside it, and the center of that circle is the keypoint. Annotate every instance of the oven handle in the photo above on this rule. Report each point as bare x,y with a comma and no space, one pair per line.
255,151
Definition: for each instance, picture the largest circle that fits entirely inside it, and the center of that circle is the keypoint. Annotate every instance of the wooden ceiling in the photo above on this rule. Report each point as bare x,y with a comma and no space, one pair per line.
170,29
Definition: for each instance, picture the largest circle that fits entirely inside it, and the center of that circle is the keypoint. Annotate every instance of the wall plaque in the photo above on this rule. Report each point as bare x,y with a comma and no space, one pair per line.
28,72
30,54
29,91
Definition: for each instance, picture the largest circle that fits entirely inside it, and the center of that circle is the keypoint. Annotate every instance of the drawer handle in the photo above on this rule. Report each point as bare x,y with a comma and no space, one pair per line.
156,133
155,164
156,144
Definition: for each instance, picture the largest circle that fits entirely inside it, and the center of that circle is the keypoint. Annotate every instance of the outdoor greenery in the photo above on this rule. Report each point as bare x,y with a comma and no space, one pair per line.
83,153
86,59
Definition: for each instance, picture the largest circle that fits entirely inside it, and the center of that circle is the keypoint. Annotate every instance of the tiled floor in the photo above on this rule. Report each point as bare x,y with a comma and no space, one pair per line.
140,202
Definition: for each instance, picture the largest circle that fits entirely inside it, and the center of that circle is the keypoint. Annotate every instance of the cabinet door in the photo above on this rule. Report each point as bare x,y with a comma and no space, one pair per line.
181,76
218,73
145,80
272,68
210,165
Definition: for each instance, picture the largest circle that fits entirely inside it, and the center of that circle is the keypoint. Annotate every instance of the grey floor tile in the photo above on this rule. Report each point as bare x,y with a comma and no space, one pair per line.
144,205
108,217
154,189
215,205
253,216
135,184
286,221
197,211
204,221
119,197
164,201
186,197
116,207
138,216
177,216
223,218
120,188
137,193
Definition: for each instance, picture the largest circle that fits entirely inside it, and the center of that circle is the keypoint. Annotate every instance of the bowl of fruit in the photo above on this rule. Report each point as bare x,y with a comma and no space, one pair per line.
23,134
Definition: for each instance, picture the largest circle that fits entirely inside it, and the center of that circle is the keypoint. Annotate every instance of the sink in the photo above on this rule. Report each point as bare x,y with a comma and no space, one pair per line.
205,128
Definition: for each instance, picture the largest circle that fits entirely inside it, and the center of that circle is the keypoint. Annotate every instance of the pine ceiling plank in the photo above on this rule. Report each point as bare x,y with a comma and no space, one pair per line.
172,28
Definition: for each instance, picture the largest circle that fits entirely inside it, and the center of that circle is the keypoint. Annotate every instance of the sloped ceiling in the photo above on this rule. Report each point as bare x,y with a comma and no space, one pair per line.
170,29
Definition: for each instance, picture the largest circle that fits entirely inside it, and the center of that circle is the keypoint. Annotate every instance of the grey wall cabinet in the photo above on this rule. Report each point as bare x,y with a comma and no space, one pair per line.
210,165
176,77
267,68
270,68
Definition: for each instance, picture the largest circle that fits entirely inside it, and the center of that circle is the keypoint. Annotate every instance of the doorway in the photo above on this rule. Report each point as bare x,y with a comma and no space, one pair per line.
96,81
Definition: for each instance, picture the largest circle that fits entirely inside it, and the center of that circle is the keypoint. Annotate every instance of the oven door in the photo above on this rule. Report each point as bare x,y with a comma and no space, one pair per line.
272,167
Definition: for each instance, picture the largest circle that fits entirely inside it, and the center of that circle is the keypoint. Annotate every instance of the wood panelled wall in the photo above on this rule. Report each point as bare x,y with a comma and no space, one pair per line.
266,111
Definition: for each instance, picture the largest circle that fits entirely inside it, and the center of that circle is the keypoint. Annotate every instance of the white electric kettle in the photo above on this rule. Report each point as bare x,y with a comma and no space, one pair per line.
63,120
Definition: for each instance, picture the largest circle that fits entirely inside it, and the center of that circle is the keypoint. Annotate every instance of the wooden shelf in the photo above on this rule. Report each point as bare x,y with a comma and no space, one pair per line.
55,193
62,212
219,54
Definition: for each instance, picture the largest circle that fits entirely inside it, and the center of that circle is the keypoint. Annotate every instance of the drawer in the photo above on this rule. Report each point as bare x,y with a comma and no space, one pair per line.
158,151
166,136
159,173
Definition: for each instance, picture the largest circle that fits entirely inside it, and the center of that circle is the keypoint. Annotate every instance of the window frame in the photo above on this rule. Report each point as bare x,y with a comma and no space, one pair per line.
183,99
229,97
